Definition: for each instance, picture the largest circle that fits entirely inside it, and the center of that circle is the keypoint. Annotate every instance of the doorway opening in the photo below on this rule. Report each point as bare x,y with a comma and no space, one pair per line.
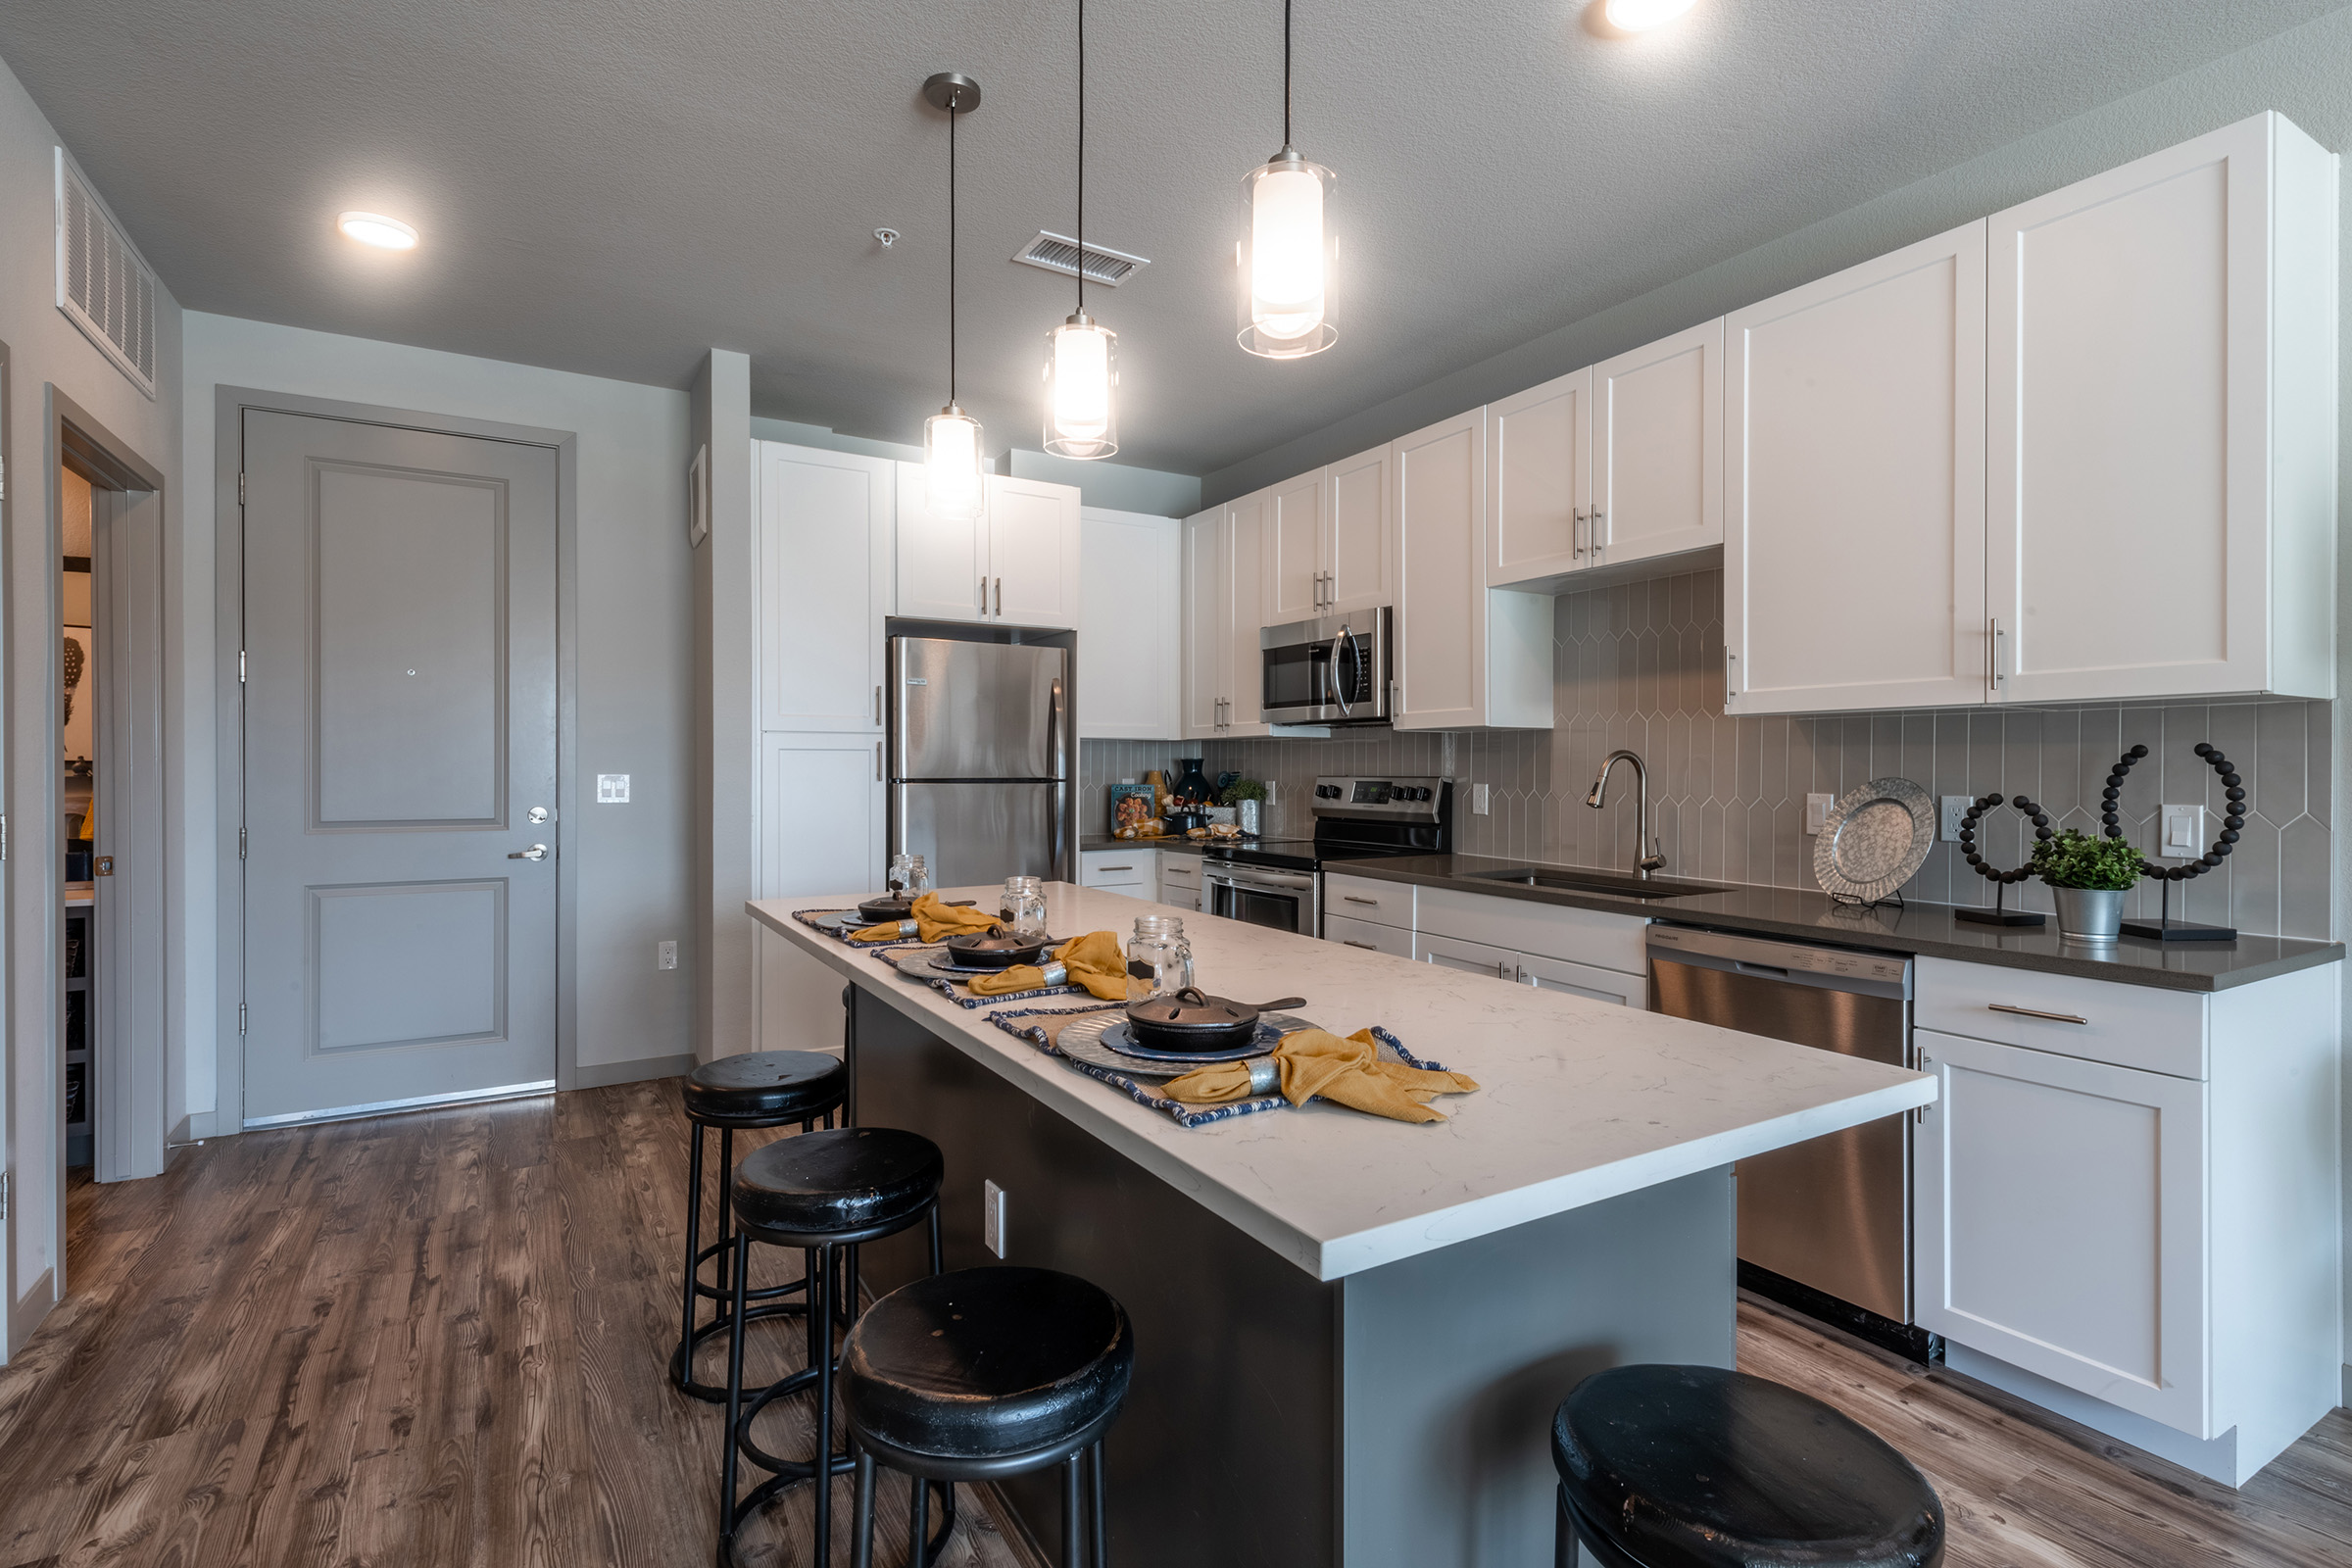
77,793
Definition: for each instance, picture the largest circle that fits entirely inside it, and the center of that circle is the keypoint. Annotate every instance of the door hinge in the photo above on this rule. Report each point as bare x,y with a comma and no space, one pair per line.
3,835
240,1018
240,489
2,1194
240,844
240,666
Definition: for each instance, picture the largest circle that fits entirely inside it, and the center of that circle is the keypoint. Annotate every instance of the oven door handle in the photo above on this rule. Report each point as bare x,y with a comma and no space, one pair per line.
1261,881
1340,687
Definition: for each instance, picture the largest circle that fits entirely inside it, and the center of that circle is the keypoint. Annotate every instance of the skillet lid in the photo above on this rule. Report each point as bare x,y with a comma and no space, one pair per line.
996,939
1192,1008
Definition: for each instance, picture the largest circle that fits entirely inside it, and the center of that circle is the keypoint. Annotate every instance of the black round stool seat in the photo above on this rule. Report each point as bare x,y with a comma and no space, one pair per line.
764,1088
1700,1467
987,1363
836,1184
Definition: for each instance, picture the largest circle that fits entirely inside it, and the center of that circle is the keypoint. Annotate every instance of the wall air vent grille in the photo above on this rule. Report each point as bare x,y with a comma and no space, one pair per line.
103,285
1057,253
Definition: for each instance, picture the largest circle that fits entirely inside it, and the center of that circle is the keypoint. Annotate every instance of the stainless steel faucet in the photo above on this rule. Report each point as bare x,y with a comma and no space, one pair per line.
1654,853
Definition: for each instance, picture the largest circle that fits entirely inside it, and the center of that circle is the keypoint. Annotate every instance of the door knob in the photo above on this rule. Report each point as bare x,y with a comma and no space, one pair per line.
537,852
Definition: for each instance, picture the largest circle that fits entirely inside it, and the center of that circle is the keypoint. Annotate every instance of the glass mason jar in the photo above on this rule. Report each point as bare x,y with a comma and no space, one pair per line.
1159,960
918,876
1025,906
901,872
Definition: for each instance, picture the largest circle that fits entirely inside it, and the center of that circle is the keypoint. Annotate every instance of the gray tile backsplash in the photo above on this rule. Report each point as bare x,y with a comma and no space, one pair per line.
1640,665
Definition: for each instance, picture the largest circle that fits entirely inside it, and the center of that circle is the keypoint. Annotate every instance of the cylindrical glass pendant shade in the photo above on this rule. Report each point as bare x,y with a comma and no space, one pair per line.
1287,258
951,462
1082,389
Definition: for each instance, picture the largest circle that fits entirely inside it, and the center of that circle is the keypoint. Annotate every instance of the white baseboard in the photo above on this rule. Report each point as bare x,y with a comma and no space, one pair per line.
598,1075
25,1314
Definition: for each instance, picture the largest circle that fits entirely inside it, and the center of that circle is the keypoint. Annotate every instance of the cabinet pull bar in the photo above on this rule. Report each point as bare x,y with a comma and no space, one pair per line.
877,761
1114,867
1597,541
1352,898
877,705
1000,596
1351,942
2034,1012
1576,531
984,596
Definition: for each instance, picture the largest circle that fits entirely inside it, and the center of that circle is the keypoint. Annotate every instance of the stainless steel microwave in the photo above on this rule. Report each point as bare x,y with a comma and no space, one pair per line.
1330,671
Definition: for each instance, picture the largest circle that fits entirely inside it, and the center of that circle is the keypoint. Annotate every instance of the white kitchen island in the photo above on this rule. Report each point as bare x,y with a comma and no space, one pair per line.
1351,1332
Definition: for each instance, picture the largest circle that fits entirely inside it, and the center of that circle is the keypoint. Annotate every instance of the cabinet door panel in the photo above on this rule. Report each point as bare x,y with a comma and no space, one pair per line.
1369,937
2129,417
942,563
1584,980
1357,550
1540,481
1657,448
1854,488
2061,1222
1436,483
827,522
1471,957
1244,667
1130,626
831,779
1203,624
1033,553
1293,549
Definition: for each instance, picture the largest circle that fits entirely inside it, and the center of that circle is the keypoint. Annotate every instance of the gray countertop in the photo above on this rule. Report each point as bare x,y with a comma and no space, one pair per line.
1923,929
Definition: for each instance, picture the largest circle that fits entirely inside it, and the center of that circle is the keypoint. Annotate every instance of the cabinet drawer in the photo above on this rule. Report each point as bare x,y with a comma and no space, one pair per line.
1584,980
1549,930
2092,1020
1364,934
1471,957
1119,868
1360,898
1184,869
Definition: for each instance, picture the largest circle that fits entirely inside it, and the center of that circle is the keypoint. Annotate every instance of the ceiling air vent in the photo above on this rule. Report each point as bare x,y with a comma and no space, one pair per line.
103,285
1059,252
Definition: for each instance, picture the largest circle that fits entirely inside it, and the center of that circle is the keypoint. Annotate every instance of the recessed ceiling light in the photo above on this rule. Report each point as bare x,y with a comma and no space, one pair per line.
372,228
1639,16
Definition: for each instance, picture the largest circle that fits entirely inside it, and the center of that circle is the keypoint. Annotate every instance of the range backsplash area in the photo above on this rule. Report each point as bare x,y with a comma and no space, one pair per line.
1640,665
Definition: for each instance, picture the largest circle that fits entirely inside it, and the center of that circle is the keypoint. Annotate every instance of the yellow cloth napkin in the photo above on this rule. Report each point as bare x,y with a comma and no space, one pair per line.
1317,1061
934,921
1094,960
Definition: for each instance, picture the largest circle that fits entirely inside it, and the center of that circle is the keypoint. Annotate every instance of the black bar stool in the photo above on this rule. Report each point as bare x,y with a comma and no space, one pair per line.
760,1088
980,1374
824,1192
1699,1467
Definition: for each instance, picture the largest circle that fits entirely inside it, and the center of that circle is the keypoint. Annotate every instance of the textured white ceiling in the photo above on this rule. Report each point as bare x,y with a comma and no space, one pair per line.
612,185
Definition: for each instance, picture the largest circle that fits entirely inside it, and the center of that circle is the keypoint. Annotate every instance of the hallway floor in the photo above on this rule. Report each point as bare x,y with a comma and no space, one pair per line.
441,1338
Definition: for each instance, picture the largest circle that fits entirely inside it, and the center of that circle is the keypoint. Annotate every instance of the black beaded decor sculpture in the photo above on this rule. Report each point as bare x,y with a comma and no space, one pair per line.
1999,914
2233,818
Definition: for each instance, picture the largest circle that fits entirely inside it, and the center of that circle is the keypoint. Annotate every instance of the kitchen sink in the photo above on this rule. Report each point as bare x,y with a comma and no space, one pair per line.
1615,883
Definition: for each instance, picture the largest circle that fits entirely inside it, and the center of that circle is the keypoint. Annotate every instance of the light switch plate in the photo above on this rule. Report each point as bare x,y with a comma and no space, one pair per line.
992,1217
1478,800
1950,809
2183,836
1816,811
611,789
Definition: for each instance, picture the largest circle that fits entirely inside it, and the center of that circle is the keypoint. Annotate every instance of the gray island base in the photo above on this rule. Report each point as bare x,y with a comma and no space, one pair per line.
1352,1334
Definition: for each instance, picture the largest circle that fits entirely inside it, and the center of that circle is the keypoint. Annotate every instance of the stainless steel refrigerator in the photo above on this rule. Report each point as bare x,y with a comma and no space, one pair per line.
980,760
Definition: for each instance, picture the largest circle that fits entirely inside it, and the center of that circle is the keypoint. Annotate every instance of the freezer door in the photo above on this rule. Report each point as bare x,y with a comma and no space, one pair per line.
978,710
969,834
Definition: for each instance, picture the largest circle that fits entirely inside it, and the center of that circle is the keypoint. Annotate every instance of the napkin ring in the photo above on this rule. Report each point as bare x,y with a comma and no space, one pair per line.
911,928
1265,1075
1057,974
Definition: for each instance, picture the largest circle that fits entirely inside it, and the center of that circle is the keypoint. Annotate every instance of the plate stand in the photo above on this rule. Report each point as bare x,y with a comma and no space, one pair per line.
2162,929
2000,913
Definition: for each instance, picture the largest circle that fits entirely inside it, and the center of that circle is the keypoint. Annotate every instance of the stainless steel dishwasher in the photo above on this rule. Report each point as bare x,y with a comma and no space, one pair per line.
1832,1213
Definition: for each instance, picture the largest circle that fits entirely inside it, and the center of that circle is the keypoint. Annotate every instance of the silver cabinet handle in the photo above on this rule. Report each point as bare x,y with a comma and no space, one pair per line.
1346,942
1352,898
1576,531
1506,971
1114,867
877,705
1000,596
877,761
537,852
2033,1012
1597,541
984,596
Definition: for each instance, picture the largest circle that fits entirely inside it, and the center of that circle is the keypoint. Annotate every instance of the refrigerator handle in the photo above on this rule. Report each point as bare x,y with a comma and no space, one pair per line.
1057,745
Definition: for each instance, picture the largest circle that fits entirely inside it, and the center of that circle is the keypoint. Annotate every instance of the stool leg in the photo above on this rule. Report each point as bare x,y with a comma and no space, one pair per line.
848,1289
918,1523
726,1485
937,1266
1563,1538
862,1539
726,1201
820,1294
848,1052
1071,1531
683,1373
1101,1520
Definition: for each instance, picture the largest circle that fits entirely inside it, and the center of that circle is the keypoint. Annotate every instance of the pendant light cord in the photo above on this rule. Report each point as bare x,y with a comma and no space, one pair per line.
1082,156
952,98
1286,73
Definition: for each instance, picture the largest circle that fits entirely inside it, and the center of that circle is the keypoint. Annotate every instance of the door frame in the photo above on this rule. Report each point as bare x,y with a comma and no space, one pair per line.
230,405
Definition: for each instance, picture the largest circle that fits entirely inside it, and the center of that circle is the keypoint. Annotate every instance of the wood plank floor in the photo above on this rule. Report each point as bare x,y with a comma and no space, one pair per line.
441,1338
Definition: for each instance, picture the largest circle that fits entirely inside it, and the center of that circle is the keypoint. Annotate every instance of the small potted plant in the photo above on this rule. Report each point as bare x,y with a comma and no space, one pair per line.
2088,876
1244,796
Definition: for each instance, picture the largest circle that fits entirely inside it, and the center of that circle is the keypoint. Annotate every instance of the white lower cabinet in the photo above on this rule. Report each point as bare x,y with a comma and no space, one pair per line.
823,817
1180,879
1134,873
1367,935
1471,957
1549,947
1585,980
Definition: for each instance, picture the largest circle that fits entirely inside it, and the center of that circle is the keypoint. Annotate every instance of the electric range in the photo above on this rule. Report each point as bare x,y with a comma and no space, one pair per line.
1278,882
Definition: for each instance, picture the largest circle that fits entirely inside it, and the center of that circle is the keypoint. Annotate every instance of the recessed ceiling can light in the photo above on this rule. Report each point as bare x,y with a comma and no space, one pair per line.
1639,16
374,228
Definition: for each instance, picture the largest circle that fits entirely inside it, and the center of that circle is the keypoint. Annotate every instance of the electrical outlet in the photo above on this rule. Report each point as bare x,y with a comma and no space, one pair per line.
665,954
611,789
1952,809
2183,836
1478,800
1816,811
992,1217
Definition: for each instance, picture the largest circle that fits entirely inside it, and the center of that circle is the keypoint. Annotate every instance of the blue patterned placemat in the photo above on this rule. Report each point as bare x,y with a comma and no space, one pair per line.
961,992
1022,1022
823,920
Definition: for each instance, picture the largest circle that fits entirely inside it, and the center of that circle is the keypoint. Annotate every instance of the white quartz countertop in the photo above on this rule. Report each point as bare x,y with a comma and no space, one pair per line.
1579,1101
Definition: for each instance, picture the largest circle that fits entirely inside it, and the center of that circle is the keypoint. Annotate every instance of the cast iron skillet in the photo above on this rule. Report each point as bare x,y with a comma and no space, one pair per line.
994,949
897,907
1189,1020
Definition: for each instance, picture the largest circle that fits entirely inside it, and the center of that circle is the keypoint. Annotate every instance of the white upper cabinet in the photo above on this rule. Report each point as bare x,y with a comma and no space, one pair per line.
2162,451
1015,564
1359,572
1292,556
1244,668
1204,623
1853,546
1130,626
1657,448
1540,481
1223,570
825,532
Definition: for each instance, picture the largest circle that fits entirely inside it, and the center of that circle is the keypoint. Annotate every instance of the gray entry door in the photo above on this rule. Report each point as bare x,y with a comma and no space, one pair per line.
400,734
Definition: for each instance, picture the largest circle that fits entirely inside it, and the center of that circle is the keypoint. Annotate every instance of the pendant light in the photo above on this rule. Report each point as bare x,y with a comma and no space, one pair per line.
1287,251
1082,357
952,437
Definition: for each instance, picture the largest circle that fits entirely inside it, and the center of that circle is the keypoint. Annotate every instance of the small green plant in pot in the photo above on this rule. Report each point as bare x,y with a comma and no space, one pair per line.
1247,797
2089,875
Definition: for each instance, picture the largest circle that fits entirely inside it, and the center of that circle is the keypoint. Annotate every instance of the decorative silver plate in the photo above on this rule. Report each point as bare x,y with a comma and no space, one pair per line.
1082,1041
840,921
938,964
1876,839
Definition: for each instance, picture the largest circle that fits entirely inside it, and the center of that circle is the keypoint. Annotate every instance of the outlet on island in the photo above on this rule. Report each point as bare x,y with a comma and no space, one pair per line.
992,1217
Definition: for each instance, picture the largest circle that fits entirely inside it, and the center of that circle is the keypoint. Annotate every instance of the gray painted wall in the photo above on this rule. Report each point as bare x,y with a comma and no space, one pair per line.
634,634
46,349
